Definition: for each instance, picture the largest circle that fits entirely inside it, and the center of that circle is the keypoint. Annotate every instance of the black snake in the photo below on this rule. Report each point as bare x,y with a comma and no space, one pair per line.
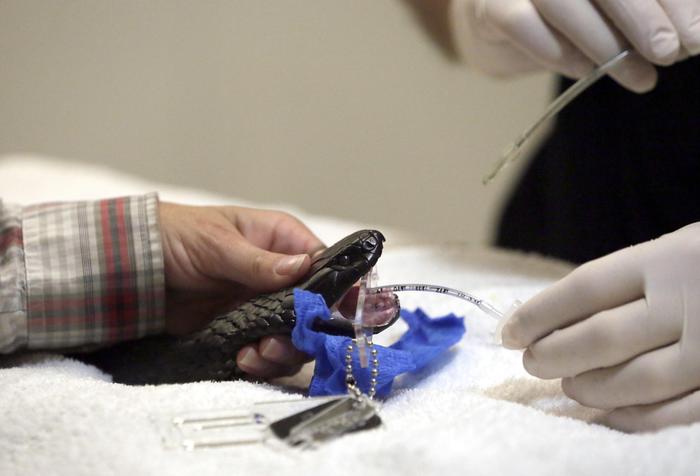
210,354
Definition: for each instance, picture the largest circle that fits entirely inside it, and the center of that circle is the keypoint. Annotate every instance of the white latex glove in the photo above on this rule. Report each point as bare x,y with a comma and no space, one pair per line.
504,37
624,333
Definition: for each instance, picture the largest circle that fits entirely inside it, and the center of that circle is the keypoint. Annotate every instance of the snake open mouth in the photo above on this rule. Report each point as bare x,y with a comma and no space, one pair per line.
379,309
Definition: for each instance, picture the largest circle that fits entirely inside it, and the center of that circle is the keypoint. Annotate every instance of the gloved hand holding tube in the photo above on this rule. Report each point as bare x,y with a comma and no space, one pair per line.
505,37
623,333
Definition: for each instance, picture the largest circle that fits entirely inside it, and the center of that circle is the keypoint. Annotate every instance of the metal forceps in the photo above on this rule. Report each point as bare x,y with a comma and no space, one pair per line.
514,150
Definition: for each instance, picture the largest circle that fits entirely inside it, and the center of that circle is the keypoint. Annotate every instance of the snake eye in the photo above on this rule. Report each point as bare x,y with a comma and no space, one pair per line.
343,260
369,244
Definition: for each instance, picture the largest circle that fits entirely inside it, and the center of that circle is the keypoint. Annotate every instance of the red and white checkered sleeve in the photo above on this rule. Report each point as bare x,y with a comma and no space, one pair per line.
90,273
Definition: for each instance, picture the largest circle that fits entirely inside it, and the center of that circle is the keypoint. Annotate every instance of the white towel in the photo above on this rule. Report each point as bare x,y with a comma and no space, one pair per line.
474,412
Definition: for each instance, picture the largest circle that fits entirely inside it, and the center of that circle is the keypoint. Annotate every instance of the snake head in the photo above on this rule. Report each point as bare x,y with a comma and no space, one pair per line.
338,268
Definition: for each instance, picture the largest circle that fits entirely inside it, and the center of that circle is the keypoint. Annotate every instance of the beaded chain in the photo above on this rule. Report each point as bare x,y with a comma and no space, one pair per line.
350,380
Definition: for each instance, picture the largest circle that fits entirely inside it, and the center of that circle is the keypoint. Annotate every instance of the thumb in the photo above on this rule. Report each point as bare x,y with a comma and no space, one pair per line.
263,270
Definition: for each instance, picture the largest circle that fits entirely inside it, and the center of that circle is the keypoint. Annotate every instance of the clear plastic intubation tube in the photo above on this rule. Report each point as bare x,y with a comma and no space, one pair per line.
377,306
487,308
470,298
358,323
372,295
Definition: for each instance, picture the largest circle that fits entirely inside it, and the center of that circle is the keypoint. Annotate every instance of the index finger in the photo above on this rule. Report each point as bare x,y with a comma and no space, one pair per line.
292,236
276,231
647,26
607,282
587,29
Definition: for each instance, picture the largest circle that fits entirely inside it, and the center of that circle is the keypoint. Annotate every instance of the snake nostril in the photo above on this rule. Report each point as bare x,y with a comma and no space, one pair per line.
370,243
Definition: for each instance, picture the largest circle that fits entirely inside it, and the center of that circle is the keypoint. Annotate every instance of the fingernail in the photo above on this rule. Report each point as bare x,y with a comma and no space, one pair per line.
289,265
693,49
665,46
511,335
636,74
530,364
567,384
249,359
272,349
505,335
508,340
317,252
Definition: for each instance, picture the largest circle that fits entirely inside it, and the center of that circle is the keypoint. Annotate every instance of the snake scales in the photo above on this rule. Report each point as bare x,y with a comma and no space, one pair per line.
210,354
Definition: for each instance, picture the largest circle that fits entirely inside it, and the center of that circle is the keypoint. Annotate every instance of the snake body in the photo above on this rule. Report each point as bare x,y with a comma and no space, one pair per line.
210,354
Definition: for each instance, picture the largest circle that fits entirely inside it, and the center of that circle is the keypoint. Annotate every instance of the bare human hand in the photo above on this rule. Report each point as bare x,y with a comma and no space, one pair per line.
217,257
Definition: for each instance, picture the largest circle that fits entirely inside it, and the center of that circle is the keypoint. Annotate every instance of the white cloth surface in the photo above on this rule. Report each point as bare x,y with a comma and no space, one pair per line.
475,411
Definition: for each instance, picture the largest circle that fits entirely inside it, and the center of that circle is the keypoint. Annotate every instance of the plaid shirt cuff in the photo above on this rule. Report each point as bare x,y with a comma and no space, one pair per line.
13,316
94,272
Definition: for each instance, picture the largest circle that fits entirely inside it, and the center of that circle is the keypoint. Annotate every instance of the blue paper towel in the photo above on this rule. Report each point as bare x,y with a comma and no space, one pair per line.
424,341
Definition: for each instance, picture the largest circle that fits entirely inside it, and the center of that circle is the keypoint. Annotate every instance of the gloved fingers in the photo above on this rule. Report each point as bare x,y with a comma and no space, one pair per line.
678,411
685,15
605,283
649,378
482,46
647,27
520,22
606,339
583,24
